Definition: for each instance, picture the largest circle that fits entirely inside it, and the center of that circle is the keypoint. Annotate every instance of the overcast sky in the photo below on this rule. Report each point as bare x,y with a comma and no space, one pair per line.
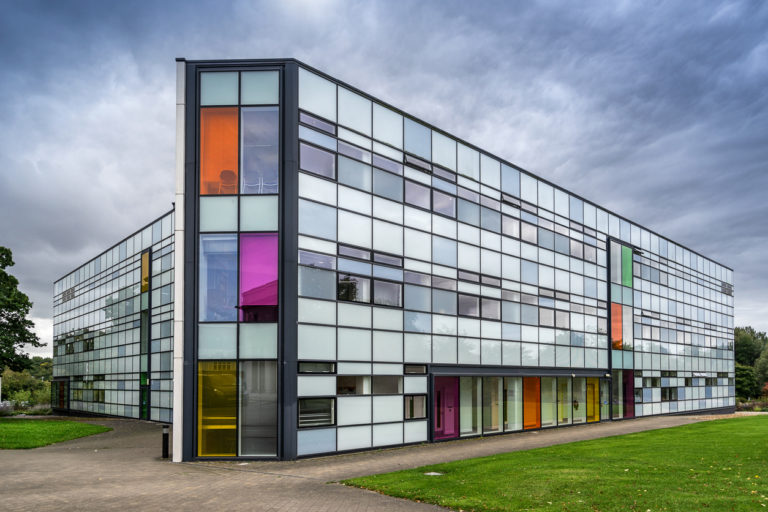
655,110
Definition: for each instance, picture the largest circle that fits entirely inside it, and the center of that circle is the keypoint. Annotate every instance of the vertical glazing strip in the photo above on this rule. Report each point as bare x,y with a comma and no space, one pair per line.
626,266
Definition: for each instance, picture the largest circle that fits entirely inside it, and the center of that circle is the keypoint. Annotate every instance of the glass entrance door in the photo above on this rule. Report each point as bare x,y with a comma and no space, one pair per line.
446,407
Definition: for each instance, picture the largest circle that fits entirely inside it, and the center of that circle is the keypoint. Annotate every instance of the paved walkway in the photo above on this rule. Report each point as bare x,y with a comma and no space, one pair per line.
121,470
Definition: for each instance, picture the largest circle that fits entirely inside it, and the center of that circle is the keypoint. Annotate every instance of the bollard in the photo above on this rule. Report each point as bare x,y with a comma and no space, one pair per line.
165,441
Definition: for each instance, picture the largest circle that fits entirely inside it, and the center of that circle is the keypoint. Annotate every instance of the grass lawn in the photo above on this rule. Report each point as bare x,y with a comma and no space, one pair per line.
15,434
712,465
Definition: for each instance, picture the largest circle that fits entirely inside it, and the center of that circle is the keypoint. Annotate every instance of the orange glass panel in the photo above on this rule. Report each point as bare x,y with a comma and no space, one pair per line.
531,402
144,272
593,399
616,326
218,150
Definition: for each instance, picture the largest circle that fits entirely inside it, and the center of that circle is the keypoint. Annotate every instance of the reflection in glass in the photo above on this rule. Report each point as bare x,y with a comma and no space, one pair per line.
564,401
259,137
387,293
218,150
258,408
443,203
217,409
354,288
258,277
493,394
218,278
417,195
317,161
513,403
470,398
579,400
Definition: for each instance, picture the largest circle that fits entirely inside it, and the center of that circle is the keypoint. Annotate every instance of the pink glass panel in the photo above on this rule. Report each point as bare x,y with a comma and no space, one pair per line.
258,270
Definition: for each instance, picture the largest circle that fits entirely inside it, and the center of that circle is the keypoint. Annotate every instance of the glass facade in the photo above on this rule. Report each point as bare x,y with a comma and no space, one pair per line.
113,329
357,278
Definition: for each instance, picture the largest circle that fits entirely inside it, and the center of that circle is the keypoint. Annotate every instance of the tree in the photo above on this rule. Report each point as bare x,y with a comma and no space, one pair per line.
761,368
15,328
746,382
748,344
41,368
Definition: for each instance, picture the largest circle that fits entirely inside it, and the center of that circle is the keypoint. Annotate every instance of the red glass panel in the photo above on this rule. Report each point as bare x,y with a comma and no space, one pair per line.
616,326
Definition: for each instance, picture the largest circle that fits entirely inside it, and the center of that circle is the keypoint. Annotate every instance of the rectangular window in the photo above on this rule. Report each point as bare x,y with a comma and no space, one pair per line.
491,309
354,288
387,293
415,369
388,185
258,408
593,399
417,195
314,367
387,384
317,412
217,409
258,277
317,161
353,385
415,407
531,403
469,305
548,401
564,401
218,150
626,266
218,278
493,407
259,133
579,400
470,400
616,326
513,403
444,204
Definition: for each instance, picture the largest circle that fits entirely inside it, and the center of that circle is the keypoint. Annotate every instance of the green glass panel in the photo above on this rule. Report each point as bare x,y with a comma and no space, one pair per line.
626,266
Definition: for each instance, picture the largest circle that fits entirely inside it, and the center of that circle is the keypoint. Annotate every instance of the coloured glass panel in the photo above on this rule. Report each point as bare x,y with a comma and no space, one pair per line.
218,150
217,408
531,403
258,275
626,266
616,326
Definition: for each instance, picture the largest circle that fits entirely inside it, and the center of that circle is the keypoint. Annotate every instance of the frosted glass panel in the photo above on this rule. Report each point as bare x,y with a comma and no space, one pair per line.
353,410
258,213
317,95
387,126
354,229
354,344
352,438
387,434
354,111
317,312
387,346
315,342
387,408
258,341
387,237
217,341
415,431
260,88
444,149
316,219
316,441
218,214
490,170
218,88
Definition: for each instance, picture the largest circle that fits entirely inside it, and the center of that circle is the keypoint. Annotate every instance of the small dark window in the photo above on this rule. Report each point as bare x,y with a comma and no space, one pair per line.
313,259
354,288
387,293
387,384
388,260
317,412
415,369
316,367
353,385
417,278
469,305
415,407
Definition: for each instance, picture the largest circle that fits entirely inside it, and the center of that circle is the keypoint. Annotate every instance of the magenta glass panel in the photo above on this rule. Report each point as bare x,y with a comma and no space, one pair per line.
258,273
629,393
446,401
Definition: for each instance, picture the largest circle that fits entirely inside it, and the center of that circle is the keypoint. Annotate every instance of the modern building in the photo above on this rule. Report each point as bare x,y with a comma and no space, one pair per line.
350,277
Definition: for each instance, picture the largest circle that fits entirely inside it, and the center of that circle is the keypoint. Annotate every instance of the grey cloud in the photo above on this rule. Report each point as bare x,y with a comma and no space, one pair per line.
657,111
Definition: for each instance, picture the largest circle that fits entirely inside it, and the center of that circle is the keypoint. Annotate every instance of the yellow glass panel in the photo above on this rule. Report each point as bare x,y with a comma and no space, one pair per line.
217,408
144,272
593,399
